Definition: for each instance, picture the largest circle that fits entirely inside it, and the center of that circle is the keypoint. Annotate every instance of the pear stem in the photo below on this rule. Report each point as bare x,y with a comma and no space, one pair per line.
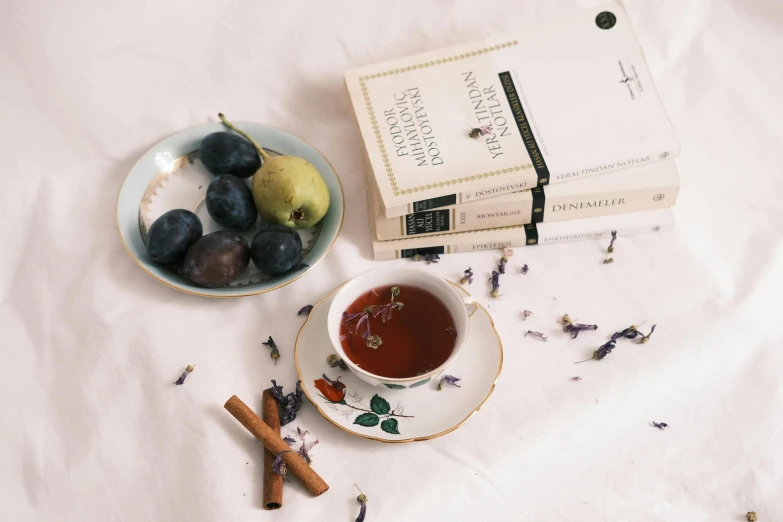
231,126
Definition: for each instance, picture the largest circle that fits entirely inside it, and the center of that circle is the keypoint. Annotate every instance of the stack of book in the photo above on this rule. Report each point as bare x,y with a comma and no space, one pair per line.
552,134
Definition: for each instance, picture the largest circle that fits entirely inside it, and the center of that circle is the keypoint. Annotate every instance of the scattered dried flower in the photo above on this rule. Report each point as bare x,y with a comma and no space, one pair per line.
468,277
448,380
188,369
475,132
508,252
428,258
289,440
526,314
646,338
304,450
278,466
577,378
395,292
502,265
751,516
660,425
305,310
495,284
608,260
452,331
275,352
287,405
374,341
524,270
611,243
537,335
574,328
334,361
362,500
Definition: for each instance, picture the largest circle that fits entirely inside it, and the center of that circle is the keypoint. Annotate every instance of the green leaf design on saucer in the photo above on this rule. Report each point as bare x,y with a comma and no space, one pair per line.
379,405
394,386
420,383
367,420
390,426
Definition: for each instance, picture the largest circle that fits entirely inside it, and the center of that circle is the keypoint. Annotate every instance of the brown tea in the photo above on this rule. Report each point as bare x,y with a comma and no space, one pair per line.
397,332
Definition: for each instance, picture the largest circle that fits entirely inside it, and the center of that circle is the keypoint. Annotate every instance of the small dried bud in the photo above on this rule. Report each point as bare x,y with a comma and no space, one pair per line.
566,319
751,516
334,361
374,341
608,260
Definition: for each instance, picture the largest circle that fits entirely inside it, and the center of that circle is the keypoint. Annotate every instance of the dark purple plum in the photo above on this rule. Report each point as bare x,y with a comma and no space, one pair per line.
229,153
170,236
217,259
276,249
230,202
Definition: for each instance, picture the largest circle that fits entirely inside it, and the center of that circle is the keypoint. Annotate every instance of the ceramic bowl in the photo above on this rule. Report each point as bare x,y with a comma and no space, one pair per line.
170,175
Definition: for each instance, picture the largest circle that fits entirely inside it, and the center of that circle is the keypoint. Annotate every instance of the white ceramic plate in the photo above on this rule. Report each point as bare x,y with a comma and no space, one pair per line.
399,415
170,176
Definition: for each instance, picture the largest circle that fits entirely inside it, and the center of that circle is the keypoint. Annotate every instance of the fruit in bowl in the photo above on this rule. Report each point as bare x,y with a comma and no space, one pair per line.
288,192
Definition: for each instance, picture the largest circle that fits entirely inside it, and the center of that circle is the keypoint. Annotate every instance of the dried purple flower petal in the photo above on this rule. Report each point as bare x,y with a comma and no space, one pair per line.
448,380
374,341
452,331
287,405
537,335
278,466
577,378
611,243
275,352
495,284
305,310
301,433
524,270
362,500
428,258
502,265
289,440
188,369
660,425
526,314
468,277
646,338
343,337
574,329
304,450
334,361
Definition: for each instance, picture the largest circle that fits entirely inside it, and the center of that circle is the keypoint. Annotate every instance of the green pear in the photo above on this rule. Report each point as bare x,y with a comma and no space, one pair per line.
287,190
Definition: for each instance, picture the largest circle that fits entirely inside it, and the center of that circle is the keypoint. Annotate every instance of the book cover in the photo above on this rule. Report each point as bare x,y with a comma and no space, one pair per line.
641,188
564,99
527,235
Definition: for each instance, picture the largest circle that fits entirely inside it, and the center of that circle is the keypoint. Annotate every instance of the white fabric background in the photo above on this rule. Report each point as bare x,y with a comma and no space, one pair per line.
93,430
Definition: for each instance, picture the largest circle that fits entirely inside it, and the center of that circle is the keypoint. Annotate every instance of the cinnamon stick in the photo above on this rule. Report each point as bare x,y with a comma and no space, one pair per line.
273,483
272,441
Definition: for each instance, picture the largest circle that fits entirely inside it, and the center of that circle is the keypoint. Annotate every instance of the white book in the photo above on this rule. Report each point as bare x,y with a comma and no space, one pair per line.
642,188
565,99
527,235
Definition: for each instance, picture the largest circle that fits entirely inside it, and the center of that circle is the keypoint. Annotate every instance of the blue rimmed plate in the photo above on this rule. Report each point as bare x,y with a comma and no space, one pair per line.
170,175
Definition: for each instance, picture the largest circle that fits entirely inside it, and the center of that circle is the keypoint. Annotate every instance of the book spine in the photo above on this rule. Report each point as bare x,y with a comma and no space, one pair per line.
534,206
528,235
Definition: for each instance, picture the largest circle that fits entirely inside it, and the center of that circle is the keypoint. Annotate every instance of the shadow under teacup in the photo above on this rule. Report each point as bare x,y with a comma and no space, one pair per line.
411,282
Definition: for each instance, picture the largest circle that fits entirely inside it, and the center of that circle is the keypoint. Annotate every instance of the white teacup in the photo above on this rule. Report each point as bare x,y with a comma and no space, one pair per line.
400,276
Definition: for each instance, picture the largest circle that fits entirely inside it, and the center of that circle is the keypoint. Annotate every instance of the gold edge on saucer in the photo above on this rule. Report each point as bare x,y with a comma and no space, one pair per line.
192,292
392,441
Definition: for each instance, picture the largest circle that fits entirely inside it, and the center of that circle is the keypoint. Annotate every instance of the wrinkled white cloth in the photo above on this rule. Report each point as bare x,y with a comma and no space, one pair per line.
92,428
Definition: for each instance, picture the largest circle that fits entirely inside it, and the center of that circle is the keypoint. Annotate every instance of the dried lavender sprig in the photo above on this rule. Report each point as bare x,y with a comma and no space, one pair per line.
275,352
537,335
362,500
188,370
611,243
468,277
448,380
305,310
334,360
428,258
601,352
507,252
646,338
495,284
574,328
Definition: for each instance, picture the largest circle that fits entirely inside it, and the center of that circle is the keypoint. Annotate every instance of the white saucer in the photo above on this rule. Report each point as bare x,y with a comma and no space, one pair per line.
416,414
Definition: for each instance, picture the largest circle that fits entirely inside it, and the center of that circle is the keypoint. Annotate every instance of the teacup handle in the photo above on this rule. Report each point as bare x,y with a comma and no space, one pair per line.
470,302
